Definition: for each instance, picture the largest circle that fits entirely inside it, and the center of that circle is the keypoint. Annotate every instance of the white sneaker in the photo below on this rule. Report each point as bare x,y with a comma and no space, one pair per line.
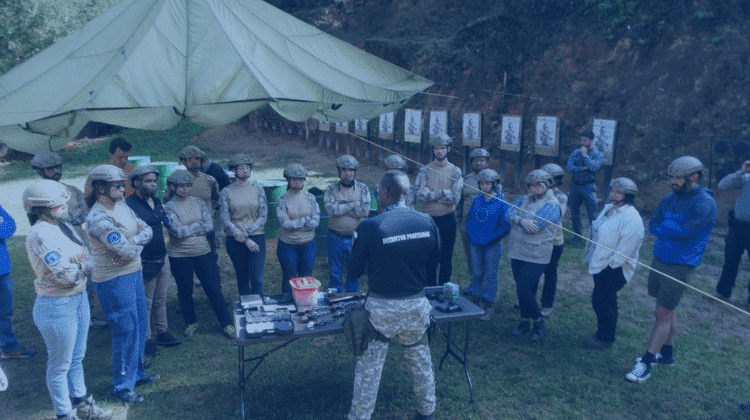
639,374
546,311
88,410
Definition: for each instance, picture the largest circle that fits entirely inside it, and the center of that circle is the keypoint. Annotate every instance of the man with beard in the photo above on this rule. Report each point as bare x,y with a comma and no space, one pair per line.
347,203
582,165
155,265
439,185
49,166
682,224
479,159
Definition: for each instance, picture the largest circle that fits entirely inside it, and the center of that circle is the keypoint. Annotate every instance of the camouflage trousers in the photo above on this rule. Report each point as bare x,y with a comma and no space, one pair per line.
406,320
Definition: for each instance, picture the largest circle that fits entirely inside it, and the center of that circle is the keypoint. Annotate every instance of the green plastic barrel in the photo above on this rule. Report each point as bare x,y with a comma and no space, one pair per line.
139,160
165,170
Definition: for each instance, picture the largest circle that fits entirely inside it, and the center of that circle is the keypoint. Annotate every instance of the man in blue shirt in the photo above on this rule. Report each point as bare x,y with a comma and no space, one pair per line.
11,348
582,165
682,224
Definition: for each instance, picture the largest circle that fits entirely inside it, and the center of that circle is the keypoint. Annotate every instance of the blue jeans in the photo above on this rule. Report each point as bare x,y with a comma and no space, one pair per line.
7,335
587,195
485,261
64,325
207,271
248,266
295,261
526,275
447,230
339,250
123,301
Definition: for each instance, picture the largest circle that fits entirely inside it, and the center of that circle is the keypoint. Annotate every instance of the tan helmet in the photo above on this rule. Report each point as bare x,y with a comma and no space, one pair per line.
685,166
347,162
395,162
179,177
556,171
239,159
139,171
191,151
624,185
478,152
441,139
45,193
108,173
488,175
295,170
45,160
538,175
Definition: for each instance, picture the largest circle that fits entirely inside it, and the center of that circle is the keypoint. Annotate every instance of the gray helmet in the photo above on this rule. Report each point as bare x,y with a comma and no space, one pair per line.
191,151
45,193
139,171
488,175
440,140
479,152
347,162
553,169
180,176
395,162
109,173
685,166
239,159
624,185
45,160
295,170
538,175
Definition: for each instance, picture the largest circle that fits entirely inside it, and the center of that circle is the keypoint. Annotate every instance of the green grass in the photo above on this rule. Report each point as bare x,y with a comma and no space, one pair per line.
513,378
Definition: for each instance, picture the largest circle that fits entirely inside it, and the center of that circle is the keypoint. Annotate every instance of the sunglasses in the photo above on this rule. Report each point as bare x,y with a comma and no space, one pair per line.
118,186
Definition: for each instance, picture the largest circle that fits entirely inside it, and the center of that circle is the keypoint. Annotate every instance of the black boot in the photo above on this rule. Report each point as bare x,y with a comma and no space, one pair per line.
540,328
523,327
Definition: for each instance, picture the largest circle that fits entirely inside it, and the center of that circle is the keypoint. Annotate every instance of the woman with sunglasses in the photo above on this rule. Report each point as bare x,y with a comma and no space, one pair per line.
117,238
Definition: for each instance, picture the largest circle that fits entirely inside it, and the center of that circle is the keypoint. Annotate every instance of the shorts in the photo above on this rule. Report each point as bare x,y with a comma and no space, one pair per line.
667,291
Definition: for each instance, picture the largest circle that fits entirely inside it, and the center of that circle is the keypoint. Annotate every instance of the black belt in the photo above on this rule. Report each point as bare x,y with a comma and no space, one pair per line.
334,233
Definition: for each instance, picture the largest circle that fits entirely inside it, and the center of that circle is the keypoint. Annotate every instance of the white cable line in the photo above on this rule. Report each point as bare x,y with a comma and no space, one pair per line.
559,225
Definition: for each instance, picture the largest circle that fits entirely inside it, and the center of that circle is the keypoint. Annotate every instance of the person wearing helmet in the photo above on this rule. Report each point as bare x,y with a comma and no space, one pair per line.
215,170
479,159
612,254
299,216
204,187
155,265
486,228
682,224
550,273
9,344
189,222
49,166
582,165
738,237
347,203
61,262
438,187
397,163
532,218
117,237
244,212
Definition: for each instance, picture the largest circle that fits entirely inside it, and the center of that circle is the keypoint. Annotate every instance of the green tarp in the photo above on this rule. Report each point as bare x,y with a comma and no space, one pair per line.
148,63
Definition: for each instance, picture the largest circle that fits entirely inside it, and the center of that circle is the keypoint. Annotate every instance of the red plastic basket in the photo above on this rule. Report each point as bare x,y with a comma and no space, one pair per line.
303,289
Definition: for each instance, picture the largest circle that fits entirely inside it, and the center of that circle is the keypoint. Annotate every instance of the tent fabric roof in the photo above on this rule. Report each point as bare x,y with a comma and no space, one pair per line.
148,63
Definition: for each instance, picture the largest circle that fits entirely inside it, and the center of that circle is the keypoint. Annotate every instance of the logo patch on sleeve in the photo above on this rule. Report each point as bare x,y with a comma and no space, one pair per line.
114,237
52,258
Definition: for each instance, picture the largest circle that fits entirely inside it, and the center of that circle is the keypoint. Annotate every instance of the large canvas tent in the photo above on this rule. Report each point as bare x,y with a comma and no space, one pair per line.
148,63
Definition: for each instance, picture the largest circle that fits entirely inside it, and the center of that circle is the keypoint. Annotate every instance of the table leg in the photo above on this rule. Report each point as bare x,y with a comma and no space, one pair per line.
241,352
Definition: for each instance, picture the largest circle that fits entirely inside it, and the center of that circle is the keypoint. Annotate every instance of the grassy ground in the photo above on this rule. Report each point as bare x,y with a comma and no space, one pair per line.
513,378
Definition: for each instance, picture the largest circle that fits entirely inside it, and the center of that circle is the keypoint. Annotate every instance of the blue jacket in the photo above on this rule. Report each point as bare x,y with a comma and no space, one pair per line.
682,224
7,229
486,224
583,169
